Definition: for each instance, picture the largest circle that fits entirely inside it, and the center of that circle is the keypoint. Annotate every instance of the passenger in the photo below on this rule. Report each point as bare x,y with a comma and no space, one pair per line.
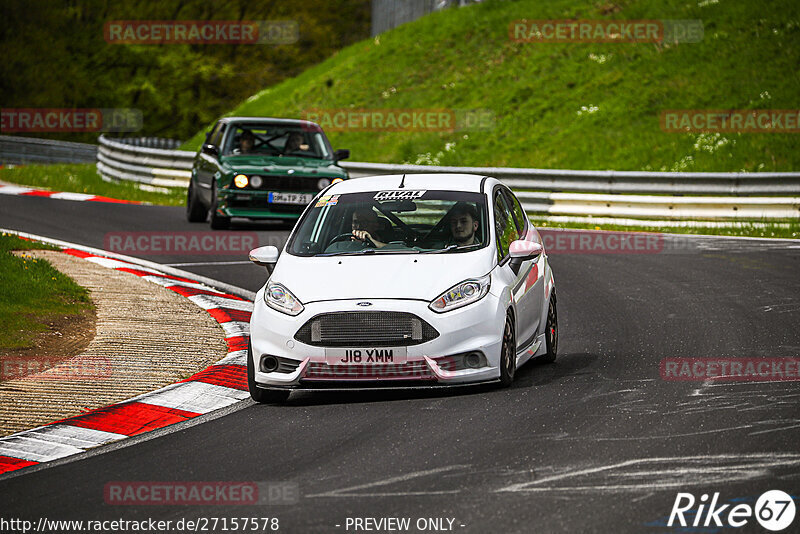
463,224
295,143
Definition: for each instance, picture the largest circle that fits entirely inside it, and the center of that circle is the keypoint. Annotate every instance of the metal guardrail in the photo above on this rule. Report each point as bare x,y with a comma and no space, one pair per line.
153,142
666,183
659,195
119,160
21,150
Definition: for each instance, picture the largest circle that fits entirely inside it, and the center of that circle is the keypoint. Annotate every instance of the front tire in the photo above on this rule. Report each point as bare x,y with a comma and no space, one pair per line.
218,222
551,331
194,209
262,396
508,353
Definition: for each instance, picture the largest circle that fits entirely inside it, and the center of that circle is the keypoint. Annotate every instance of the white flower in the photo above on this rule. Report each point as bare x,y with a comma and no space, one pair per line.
711,142
588,109
600,58
683,164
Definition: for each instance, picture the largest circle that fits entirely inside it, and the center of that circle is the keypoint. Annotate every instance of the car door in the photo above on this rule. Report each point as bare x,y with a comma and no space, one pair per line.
510,225
206,165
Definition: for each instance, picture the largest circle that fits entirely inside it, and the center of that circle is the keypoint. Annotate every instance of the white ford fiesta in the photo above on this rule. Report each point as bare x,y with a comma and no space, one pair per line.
408,280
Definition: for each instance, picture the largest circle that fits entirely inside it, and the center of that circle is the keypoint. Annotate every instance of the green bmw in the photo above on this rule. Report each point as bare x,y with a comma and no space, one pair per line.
260,168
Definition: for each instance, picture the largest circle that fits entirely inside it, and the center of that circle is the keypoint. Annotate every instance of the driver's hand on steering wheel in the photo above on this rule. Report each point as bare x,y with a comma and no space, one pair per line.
363,235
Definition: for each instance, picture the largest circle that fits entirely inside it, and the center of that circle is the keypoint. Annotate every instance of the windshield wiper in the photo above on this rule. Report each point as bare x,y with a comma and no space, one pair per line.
347,253
448,248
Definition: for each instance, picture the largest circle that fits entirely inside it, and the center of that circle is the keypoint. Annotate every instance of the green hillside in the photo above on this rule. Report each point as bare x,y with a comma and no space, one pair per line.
563,105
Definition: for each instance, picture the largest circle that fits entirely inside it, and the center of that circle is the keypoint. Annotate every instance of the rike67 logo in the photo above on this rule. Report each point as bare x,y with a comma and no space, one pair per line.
774,510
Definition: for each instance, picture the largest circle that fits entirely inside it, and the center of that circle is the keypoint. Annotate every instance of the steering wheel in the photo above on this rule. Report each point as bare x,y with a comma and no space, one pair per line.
345,237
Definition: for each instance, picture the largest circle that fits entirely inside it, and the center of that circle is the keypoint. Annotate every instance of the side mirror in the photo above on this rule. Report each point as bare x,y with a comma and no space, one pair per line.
211,150
521,250
342,153
524,250
264,256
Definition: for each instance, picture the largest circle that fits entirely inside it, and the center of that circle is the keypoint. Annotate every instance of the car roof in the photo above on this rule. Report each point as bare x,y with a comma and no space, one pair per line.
272,120
442,182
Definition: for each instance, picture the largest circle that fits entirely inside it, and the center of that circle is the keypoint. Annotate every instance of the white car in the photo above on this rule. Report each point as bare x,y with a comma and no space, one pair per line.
404,280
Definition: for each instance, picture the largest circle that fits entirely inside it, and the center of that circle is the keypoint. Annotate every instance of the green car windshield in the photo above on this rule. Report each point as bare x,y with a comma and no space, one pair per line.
276,140
396,222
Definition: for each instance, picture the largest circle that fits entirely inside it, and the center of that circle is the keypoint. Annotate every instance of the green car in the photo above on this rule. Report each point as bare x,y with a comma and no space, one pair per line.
260,168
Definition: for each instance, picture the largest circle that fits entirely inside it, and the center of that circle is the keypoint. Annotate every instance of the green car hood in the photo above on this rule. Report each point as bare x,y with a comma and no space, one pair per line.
262,164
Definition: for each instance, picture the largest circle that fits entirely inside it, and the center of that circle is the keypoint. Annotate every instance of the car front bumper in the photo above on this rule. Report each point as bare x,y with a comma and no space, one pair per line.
473,328
255,204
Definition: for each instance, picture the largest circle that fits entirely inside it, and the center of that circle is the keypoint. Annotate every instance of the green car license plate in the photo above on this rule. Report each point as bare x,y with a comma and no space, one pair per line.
290,198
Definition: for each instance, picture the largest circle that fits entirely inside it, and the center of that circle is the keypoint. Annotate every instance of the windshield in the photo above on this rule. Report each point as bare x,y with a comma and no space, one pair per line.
399,221
276,140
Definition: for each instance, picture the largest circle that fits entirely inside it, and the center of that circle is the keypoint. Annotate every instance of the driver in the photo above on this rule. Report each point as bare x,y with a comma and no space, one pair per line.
246,142
463,224
366,225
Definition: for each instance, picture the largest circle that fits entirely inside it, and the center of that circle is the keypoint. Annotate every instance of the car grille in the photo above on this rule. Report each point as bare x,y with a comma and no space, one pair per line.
289,183
366,329
417,370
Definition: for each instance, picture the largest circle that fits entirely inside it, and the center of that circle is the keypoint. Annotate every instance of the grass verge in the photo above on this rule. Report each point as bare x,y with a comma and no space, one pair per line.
83,178
786,230
31,292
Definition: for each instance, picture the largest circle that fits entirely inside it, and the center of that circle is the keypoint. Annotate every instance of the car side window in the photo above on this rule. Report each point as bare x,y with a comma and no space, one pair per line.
520,218
210,135
505,227
216,135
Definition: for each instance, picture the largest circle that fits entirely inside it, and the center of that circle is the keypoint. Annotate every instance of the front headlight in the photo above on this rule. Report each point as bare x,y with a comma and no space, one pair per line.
281,299
459,295
240,180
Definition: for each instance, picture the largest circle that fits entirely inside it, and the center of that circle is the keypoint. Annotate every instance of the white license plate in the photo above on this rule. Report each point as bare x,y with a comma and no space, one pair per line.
371,356
290,198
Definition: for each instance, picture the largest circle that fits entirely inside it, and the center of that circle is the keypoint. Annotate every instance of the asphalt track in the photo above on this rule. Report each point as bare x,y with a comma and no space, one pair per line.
595,442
